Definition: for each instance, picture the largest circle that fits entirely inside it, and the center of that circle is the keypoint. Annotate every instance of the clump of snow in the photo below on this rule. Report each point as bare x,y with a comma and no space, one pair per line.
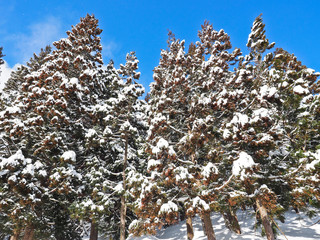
91,133
168,207
226,134
266,91
182,173
171,151
300,90
284,84
118,188
155,150
74,81
43,173
162,143
133,224
69,155
13,110
244,161
29,169
240,119
209,169
309,71
152,163
259,114
316,155
13,160
198,202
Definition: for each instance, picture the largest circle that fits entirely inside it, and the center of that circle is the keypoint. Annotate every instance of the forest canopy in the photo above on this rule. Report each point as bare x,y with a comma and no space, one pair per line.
220,131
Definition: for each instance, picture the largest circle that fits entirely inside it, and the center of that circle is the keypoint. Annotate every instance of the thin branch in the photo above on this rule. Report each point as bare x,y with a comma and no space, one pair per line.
185,162
176,129
278,227
225,184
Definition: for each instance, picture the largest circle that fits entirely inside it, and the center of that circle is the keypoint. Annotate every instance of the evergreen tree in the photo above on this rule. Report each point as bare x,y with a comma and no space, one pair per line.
260,134
254,131
114,143
14,84
45,128
301,116
186,111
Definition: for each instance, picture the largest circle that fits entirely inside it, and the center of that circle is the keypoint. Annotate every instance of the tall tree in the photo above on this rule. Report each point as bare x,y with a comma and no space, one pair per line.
184,145
301,115
114,144
45,129
268,90
253,129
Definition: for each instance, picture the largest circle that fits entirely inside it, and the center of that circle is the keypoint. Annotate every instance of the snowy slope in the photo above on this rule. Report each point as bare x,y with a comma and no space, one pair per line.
296,227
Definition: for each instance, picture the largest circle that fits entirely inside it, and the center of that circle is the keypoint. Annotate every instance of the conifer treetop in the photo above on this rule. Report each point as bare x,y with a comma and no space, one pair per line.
83,39
257,40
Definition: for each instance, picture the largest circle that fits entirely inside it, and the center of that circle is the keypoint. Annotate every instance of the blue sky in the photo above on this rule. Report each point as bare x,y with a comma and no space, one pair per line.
141,26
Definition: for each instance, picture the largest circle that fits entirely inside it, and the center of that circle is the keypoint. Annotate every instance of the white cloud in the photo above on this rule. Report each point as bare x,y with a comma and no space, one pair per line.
40,35
108,49
5,72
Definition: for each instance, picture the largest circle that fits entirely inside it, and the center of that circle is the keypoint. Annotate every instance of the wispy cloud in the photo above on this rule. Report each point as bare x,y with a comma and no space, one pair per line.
44,33
5,72
39,35
109,49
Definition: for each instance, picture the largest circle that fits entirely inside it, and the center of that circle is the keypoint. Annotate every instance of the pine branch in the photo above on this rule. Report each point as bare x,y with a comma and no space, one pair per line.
225,184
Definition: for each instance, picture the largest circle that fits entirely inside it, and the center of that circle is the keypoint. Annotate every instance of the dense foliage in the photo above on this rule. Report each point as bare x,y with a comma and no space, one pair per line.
219,131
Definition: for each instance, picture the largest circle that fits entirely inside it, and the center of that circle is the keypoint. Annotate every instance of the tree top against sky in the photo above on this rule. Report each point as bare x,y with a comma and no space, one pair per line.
141,26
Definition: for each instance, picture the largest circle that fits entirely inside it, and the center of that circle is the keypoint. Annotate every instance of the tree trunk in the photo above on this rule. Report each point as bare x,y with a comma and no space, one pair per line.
265,219
190,233
94,231
123,209
203,226
28,232
231,221
208,229
14,237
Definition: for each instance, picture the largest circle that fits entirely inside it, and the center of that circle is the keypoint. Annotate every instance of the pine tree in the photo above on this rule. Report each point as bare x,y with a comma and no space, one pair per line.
45,128
183,141
300,113
267,95
98,200
14,84
253,129
114,144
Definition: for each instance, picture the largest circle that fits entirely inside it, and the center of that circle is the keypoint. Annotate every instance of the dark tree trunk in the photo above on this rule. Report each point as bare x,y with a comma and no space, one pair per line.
231,221
15,235
190,233
123,208
94,231
203,226
208,229
28,232
265,219
182,215
123,211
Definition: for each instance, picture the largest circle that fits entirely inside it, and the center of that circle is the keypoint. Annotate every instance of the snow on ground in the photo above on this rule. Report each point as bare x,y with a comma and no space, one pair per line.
296,227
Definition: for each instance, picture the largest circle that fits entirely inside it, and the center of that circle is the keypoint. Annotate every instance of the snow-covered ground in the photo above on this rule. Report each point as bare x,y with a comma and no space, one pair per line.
296,227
